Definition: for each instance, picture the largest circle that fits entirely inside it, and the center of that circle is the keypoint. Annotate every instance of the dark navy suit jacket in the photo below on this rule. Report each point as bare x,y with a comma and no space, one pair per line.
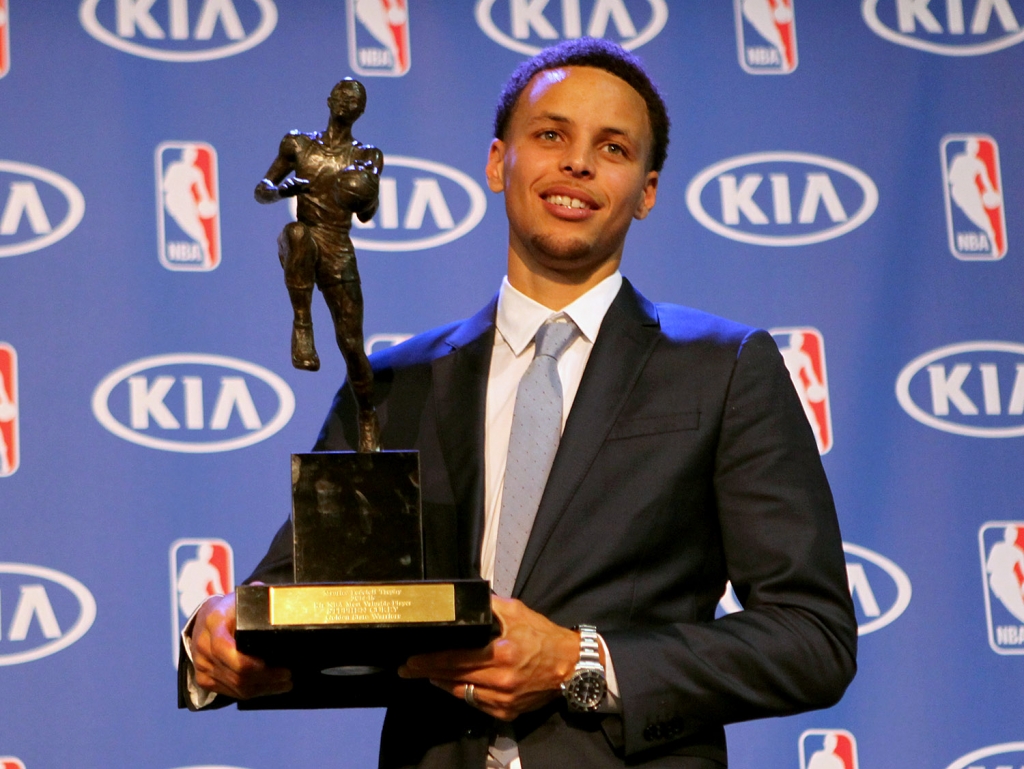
686,461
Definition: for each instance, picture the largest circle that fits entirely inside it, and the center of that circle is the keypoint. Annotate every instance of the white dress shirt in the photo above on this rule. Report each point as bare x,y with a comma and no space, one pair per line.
518,319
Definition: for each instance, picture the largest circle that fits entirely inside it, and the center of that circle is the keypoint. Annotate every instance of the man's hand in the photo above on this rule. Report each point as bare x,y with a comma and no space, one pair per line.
292,186
519,671
268,192
219,666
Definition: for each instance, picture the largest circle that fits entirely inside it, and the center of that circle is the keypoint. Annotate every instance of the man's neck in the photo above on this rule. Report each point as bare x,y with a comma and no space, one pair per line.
338,133
552,289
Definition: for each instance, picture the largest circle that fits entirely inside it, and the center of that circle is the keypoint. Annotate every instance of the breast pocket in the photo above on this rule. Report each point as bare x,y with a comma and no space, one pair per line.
654,425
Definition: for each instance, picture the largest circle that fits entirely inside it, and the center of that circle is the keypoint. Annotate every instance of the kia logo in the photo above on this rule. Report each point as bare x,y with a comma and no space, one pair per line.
972,388
880,589
1005,755
37,208
193,403
47,610
179,30
534,25
953,28
781,198
422,204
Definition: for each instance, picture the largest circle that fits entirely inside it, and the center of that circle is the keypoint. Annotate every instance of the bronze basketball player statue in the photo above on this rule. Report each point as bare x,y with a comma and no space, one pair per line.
333,176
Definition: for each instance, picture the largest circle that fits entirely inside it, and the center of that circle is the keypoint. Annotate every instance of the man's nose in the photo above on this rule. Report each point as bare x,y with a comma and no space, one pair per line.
578,161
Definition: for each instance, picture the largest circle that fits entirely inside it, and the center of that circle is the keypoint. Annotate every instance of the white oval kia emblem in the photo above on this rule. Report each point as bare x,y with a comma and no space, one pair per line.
134,22
960,44
179,400
527,19
33,607
971,388
869,594
404,210
971,759
782,198
866,596
28,204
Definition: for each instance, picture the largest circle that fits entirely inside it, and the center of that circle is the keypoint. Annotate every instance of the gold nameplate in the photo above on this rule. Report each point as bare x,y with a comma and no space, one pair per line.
361,604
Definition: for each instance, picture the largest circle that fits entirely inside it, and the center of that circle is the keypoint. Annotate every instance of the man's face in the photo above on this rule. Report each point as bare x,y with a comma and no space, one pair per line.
346,101
573,167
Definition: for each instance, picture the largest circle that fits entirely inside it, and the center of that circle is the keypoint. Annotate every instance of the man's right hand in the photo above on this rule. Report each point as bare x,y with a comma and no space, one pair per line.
219,666
292,186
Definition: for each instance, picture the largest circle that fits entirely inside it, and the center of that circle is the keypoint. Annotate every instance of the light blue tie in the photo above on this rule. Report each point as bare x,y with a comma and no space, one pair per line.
536,430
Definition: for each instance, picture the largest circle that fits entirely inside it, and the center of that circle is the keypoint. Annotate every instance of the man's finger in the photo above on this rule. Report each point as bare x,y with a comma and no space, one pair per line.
436,664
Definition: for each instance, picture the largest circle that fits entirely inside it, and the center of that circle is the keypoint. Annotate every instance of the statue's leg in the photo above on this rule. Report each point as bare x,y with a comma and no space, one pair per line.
345,300
297,251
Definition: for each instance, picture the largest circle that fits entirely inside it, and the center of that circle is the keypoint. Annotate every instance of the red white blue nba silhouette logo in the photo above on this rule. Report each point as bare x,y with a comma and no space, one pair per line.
973,186
828,749
10,454
199,568
5,39
188,209
1002,569
10,762
378,37
803,350
766,36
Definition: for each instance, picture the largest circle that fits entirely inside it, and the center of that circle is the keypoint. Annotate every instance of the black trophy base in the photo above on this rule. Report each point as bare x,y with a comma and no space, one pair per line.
343,642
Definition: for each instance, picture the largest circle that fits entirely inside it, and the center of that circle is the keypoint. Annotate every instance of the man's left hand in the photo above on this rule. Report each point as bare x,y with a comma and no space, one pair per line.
519,671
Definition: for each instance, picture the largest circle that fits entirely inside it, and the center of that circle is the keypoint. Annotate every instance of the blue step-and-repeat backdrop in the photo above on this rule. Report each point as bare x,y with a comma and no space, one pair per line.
848,174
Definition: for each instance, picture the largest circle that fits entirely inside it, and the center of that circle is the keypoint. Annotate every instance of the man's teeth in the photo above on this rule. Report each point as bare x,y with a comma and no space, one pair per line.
565,200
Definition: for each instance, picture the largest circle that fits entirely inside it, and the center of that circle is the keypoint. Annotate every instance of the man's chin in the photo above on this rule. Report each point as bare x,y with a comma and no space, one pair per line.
564,253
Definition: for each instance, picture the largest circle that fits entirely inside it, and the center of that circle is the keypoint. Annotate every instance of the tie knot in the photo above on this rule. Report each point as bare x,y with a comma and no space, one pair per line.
554,337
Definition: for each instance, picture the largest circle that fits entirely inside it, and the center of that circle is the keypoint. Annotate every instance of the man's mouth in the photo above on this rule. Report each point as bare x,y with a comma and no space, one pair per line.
565,201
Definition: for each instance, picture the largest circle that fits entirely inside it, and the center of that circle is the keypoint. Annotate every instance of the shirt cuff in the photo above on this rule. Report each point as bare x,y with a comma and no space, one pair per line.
611,702
197,695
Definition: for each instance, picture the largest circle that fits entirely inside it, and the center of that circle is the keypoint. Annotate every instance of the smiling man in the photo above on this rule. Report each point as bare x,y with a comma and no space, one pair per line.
608,464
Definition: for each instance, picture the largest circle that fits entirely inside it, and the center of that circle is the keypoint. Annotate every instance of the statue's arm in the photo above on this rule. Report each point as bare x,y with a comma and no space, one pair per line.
276,184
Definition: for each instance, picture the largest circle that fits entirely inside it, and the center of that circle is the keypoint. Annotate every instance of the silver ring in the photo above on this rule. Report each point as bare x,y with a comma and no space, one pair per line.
469,696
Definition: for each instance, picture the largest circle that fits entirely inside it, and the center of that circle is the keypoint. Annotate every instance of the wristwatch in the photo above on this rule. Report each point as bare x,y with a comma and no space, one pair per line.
586,687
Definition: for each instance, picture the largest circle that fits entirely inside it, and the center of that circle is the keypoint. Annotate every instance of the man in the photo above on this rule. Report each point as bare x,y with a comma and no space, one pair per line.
335,177
685,460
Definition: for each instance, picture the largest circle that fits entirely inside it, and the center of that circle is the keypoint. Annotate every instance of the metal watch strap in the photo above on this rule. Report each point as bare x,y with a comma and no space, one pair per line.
590,647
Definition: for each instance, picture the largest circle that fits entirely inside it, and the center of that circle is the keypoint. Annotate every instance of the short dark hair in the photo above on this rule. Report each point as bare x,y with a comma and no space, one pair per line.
590,52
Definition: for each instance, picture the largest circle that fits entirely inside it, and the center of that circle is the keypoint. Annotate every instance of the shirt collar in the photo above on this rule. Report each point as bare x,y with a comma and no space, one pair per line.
519,316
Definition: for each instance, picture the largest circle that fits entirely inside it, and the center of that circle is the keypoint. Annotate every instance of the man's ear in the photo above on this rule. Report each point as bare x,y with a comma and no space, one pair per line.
495,169
649,196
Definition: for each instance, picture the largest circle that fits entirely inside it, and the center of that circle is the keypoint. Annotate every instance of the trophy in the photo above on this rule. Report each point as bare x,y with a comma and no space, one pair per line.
360,605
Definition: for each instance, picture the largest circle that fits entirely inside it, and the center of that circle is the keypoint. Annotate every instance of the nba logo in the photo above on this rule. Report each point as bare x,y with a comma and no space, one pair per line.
10,455
378,37
1002,570
803,350
828,749
10,762
199,568
973,187
5,39
188,212
766,36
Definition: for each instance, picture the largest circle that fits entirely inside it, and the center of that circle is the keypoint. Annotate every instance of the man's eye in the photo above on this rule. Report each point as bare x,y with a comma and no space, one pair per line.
615,149
549,135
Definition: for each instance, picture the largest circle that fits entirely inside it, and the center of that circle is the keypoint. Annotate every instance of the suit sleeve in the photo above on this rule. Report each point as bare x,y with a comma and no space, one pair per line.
794,646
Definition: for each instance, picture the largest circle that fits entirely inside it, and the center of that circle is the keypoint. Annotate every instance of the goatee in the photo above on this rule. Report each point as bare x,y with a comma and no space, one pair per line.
561,249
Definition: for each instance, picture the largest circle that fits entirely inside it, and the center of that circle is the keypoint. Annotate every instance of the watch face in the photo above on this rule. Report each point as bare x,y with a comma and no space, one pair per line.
585,690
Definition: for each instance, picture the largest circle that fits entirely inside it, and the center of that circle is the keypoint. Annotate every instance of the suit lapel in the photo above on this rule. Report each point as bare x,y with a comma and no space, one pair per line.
628,335
460,388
